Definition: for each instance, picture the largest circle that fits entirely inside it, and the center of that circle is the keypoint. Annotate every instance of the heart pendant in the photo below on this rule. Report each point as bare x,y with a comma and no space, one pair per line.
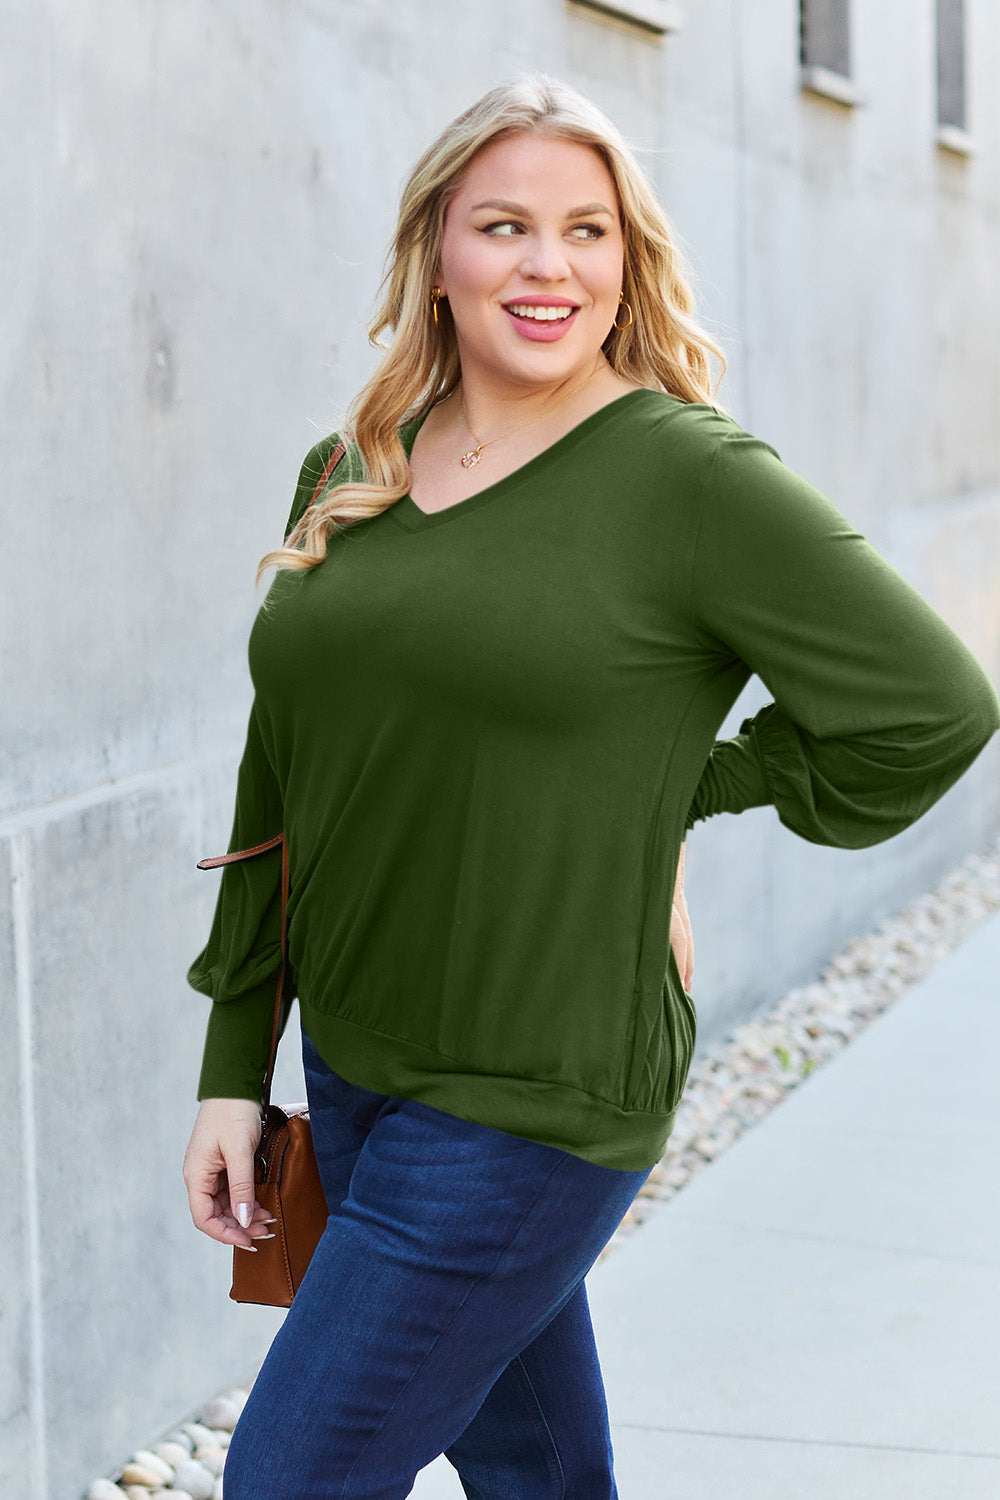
469,460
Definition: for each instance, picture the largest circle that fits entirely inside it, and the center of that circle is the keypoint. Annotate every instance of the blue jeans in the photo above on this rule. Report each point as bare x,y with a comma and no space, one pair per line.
444,1311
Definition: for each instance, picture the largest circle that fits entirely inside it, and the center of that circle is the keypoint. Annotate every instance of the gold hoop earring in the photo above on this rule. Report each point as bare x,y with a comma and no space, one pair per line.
622,303
435,299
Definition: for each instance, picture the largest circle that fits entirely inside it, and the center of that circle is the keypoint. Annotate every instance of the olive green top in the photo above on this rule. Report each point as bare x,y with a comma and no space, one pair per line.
487,730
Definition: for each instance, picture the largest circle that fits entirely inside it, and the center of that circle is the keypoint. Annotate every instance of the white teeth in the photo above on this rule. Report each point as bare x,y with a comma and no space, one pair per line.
540,314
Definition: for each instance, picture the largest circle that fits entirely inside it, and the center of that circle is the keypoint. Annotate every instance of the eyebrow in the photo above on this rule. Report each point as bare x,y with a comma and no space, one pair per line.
507,207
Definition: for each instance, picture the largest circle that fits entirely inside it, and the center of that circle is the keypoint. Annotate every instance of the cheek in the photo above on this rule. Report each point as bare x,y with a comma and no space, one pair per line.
469,268
608,270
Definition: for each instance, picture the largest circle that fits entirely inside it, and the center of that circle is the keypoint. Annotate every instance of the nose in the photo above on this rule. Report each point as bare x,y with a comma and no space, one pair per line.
545,258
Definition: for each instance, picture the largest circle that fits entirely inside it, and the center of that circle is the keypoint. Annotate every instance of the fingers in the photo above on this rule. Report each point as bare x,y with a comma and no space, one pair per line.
218,1172
682,940
680,926
208,1199
239,1173
214,1221
689,966
221,1226
689,949
261,1229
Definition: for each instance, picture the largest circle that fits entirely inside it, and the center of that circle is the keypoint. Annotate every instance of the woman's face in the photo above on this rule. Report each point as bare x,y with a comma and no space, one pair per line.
532,261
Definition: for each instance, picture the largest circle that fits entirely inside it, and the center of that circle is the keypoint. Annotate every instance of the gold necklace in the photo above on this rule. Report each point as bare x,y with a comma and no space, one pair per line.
470,459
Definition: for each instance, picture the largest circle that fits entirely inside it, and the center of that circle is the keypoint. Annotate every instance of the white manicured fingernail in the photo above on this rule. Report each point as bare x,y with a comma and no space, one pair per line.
244,1213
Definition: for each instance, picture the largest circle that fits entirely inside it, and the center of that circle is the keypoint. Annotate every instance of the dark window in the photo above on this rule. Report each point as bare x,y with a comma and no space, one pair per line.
951,63
825,35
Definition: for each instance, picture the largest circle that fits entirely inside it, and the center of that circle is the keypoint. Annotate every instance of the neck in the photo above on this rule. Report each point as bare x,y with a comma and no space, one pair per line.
489,407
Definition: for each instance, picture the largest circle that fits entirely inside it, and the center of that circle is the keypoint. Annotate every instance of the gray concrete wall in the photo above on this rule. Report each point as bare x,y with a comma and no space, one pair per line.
194,206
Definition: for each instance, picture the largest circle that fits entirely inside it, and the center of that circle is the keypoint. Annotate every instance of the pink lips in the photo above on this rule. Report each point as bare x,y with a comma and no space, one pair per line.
544,333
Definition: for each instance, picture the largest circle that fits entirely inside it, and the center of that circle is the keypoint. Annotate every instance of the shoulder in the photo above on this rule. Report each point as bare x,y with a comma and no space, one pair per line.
325,461
691,453
316,460
694,434
737,481
725,480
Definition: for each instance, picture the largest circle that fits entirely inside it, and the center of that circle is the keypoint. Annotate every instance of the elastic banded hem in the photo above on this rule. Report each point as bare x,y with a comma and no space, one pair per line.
588,1127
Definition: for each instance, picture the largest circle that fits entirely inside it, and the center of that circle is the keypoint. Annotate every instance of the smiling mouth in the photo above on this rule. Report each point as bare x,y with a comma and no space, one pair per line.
539,314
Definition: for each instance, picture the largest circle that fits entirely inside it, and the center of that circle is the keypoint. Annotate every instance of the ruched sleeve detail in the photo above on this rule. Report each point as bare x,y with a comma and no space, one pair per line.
732,781
879,707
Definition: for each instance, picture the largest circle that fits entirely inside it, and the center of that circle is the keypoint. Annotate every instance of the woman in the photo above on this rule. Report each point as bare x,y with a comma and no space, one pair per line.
489,674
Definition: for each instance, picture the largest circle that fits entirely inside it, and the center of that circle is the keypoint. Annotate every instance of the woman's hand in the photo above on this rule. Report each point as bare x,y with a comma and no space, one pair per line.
681,936
218,1171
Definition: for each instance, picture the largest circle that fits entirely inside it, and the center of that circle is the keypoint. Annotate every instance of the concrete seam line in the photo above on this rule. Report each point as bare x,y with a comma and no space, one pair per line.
807,1442
21,915
41,814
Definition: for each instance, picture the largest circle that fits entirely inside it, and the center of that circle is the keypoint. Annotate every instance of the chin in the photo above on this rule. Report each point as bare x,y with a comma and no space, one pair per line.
544,362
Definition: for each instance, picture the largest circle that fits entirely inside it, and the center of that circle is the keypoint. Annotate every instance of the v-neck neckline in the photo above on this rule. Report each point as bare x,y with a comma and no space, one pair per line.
409,515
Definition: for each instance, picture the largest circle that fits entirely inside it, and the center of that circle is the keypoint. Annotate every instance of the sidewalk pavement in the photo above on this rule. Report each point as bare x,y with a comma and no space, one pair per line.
818,1313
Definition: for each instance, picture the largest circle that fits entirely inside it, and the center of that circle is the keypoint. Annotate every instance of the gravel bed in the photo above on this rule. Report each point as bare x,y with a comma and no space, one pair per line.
185,1465
730,1088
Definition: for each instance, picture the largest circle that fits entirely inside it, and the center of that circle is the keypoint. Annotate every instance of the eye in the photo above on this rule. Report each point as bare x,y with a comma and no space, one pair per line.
502,229
589,231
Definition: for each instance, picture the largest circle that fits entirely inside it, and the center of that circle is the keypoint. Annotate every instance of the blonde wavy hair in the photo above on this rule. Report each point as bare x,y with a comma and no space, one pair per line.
664,348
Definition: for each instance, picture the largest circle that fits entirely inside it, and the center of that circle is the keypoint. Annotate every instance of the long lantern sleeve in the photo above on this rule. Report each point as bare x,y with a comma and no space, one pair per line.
238,966
879,707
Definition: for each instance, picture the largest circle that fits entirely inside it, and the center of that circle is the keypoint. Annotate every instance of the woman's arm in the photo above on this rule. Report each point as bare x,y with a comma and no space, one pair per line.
238,967
879,707
238,970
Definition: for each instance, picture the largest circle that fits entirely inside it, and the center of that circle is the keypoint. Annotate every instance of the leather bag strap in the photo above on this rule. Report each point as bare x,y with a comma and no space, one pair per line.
328,469
279,839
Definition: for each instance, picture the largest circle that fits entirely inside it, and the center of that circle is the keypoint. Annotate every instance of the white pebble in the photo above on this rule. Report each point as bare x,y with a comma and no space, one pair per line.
182,1438
172,1453
137,1474
217,1489
196,1479
155,1464
213,1458
104,1489
220,1413
199,1434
